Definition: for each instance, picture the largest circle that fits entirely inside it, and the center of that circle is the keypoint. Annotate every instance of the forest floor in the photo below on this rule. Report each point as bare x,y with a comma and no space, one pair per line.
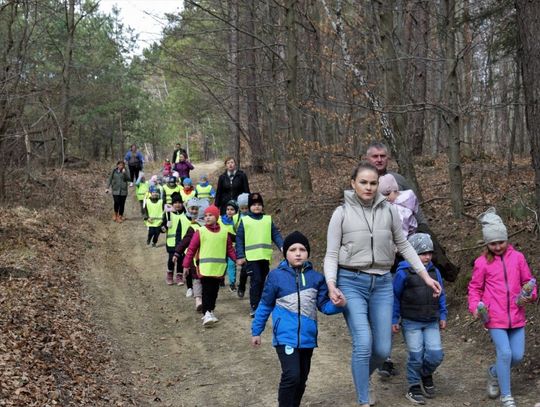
113,333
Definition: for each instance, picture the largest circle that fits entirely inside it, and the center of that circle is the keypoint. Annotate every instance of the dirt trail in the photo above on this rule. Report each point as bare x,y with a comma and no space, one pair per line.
170,360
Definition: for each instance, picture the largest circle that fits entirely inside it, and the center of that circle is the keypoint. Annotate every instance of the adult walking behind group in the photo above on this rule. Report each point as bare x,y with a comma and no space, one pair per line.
118,186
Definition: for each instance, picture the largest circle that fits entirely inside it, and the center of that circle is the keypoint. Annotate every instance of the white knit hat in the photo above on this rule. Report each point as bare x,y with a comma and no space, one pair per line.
493,228
243,199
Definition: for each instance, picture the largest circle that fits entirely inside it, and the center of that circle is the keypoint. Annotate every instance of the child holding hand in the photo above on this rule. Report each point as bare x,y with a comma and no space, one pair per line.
292,294
497,280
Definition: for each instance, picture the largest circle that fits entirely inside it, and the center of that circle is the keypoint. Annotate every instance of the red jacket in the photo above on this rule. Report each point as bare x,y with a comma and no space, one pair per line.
497,285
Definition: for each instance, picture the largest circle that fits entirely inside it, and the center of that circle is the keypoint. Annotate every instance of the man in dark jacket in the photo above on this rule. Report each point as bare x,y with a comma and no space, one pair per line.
231,183
178,150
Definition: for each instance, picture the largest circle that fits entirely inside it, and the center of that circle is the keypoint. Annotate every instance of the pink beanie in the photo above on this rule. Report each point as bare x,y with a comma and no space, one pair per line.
387,184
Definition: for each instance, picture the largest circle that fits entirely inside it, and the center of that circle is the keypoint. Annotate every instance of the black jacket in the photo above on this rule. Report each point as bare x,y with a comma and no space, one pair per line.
228,189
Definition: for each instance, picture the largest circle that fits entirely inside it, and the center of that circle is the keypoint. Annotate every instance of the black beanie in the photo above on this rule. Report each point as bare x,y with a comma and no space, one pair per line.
295,237
176,197
255,198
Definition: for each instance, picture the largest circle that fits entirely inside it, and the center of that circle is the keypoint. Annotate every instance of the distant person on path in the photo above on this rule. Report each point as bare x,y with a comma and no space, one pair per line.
142,186
293,293
118,186
135,161
230,184
153,216
183,166
174,225
421,316
178,150
362,236
498,278
378,155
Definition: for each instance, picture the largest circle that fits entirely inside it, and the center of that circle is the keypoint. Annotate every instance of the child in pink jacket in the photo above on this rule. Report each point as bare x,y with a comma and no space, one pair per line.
497,279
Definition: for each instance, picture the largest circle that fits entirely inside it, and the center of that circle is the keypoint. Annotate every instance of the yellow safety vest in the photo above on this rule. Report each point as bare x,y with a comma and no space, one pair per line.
228,228
155,213
213,253
171,232
169,191
186,197
142,189
185,223
237,217
258,238
203,192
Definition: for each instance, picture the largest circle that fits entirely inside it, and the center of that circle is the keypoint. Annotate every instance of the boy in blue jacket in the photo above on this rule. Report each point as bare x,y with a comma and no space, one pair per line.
422,316
292,293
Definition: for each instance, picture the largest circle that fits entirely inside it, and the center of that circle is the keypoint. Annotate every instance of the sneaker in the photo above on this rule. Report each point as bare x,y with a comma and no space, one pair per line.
371,394
508,401
415,395
232,287
169,278
179,279
208,320
214,318
387,369
198,304
427,386
240,293
252,313
189,292
493,390
148,242
131,184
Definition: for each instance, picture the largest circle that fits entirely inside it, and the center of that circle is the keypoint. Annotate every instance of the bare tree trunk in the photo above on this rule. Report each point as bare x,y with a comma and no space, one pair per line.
375,103
528,16
451,113
69,6
254,134
295,117
417,30
234,87
516,113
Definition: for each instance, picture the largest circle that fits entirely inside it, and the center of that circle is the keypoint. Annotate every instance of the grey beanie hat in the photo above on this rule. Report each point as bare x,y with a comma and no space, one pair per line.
493,228
421,243
243,199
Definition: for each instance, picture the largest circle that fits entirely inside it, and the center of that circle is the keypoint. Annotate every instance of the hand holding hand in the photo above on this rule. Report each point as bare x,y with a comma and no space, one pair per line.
241,262
336,296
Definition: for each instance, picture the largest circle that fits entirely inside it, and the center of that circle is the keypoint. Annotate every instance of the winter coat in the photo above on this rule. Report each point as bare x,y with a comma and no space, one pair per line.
365,238
293,296
497,285
417,296
228,189
137,161
183,168
407,206
118,182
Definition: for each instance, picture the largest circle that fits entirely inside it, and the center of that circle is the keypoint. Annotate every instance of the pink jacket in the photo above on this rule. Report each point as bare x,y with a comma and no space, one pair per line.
497,285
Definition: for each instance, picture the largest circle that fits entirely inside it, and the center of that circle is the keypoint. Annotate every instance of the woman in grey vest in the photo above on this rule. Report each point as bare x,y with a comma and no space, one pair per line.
362,237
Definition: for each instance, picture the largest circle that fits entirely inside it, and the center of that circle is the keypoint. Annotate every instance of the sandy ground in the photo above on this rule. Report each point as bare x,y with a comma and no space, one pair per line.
169,359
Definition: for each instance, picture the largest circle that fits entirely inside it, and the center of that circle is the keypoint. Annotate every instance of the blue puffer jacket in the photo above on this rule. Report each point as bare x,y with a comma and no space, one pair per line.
293,297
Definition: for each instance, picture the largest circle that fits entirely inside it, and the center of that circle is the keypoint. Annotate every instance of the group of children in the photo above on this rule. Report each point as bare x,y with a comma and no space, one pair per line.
203,247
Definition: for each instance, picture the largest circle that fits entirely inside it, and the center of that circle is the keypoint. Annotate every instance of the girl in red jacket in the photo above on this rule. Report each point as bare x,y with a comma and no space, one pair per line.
498,277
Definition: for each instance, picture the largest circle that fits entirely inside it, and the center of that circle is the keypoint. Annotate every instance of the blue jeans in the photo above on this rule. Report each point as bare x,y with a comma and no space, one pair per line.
510,347
368,314
425,349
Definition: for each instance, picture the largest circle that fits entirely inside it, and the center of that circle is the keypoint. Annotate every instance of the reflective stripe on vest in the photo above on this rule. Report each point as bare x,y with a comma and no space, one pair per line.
142,189
212,253
186,197
258,238
203,192
171,232
169,191
155,213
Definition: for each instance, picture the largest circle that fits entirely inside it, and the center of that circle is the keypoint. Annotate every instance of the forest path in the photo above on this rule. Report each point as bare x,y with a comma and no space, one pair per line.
169,359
